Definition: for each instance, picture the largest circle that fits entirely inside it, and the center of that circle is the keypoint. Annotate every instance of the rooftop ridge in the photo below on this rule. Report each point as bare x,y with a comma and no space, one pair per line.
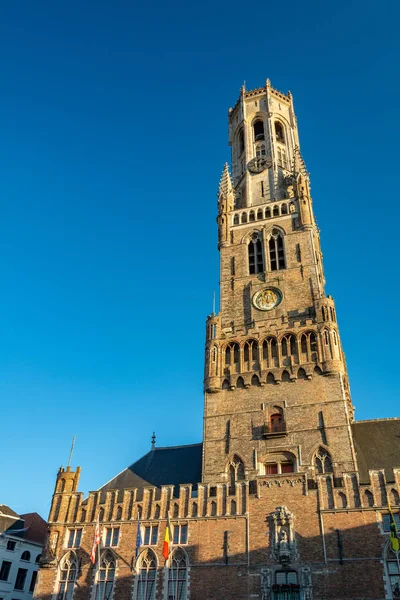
374,420
181,446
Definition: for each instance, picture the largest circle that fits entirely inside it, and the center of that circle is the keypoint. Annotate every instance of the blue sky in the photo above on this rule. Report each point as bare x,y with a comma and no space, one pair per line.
113,135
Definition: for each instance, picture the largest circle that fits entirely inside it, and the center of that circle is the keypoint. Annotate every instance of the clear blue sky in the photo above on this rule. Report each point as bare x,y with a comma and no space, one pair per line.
113,135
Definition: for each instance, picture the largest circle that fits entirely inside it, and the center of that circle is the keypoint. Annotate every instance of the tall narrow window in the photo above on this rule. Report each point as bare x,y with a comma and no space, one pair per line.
68,571
279,133
258,128
177,576
255,252
146,589
393,569
276,251
106,576
241,142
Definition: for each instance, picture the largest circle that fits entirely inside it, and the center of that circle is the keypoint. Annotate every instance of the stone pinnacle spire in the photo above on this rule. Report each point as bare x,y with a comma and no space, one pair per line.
225,184
298,162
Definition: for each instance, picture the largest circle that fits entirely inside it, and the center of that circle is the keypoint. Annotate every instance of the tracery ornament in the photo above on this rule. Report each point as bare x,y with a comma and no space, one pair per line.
146,588
323,461
178,575
67,576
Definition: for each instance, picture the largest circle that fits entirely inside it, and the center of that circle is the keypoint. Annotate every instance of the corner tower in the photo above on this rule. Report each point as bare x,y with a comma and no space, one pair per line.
276,390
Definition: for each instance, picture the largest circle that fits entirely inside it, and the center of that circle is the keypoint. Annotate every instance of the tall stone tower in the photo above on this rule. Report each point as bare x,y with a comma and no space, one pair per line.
276,390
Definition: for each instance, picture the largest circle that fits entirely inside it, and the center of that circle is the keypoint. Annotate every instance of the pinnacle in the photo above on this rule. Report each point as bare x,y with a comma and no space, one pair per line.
298,162
225,184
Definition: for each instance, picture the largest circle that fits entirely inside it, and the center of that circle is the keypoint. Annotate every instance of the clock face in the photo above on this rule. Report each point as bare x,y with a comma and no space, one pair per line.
267,299
258,164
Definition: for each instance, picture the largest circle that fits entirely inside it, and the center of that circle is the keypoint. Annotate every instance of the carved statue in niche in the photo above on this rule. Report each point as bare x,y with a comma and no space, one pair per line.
49,552
306,583
282,536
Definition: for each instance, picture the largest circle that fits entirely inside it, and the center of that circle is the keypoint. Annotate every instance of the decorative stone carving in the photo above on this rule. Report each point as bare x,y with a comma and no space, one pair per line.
282,536
279,482
48,558
306,583
266,583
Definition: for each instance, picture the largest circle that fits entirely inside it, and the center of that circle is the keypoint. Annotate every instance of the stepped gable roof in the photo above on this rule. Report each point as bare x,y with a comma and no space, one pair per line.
377,444
172,465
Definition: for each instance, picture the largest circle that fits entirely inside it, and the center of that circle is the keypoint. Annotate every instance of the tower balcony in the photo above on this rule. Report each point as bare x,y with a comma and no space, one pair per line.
273,430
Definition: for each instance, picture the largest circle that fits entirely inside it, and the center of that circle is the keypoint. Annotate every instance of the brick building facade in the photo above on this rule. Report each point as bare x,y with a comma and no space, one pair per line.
287,497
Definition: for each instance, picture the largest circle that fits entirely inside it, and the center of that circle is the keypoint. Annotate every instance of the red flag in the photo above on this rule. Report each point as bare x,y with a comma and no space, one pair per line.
96,542
167,539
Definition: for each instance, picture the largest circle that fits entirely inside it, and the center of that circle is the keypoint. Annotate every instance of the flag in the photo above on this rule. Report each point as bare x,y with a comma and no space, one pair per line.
96,541
139,540
167,539
394,540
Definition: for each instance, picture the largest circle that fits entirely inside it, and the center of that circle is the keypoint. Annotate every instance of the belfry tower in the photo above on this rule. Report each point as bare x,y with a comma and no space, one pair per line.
276,390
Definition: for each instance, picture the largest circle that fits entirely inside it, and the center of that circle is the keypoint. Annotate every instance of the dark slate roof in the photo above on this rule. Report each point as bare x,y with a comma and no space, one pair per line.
8,518
36,528
30,526
172,465
377,444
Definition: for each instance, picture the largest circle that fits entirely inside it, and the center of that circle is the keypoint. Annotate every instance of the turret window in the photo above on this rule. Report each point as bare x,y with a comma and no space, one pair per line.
258,128
282,162
232,357
255,252
280,137
276,252
260,150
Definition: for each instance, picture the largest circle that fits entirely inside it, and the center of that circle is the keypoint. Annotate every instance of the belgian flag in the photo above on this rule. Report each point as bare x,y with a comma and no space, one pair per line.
167,539
394,540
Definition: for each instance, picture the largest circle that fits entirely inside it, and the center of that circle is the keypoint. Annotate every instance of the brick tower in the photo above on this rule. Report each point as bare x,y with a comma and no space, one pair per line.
276,391
287,497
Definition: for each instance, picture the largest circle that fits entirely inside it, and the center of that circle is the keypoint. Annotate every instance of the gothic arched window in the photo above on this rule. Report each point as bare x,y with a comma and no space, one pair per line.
393,570
178,575
250,354
236,473
232,354
279,133
276,251
105,576
258,128
146,586
255,252
323,461
309,349
270,352
236,219
67,577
